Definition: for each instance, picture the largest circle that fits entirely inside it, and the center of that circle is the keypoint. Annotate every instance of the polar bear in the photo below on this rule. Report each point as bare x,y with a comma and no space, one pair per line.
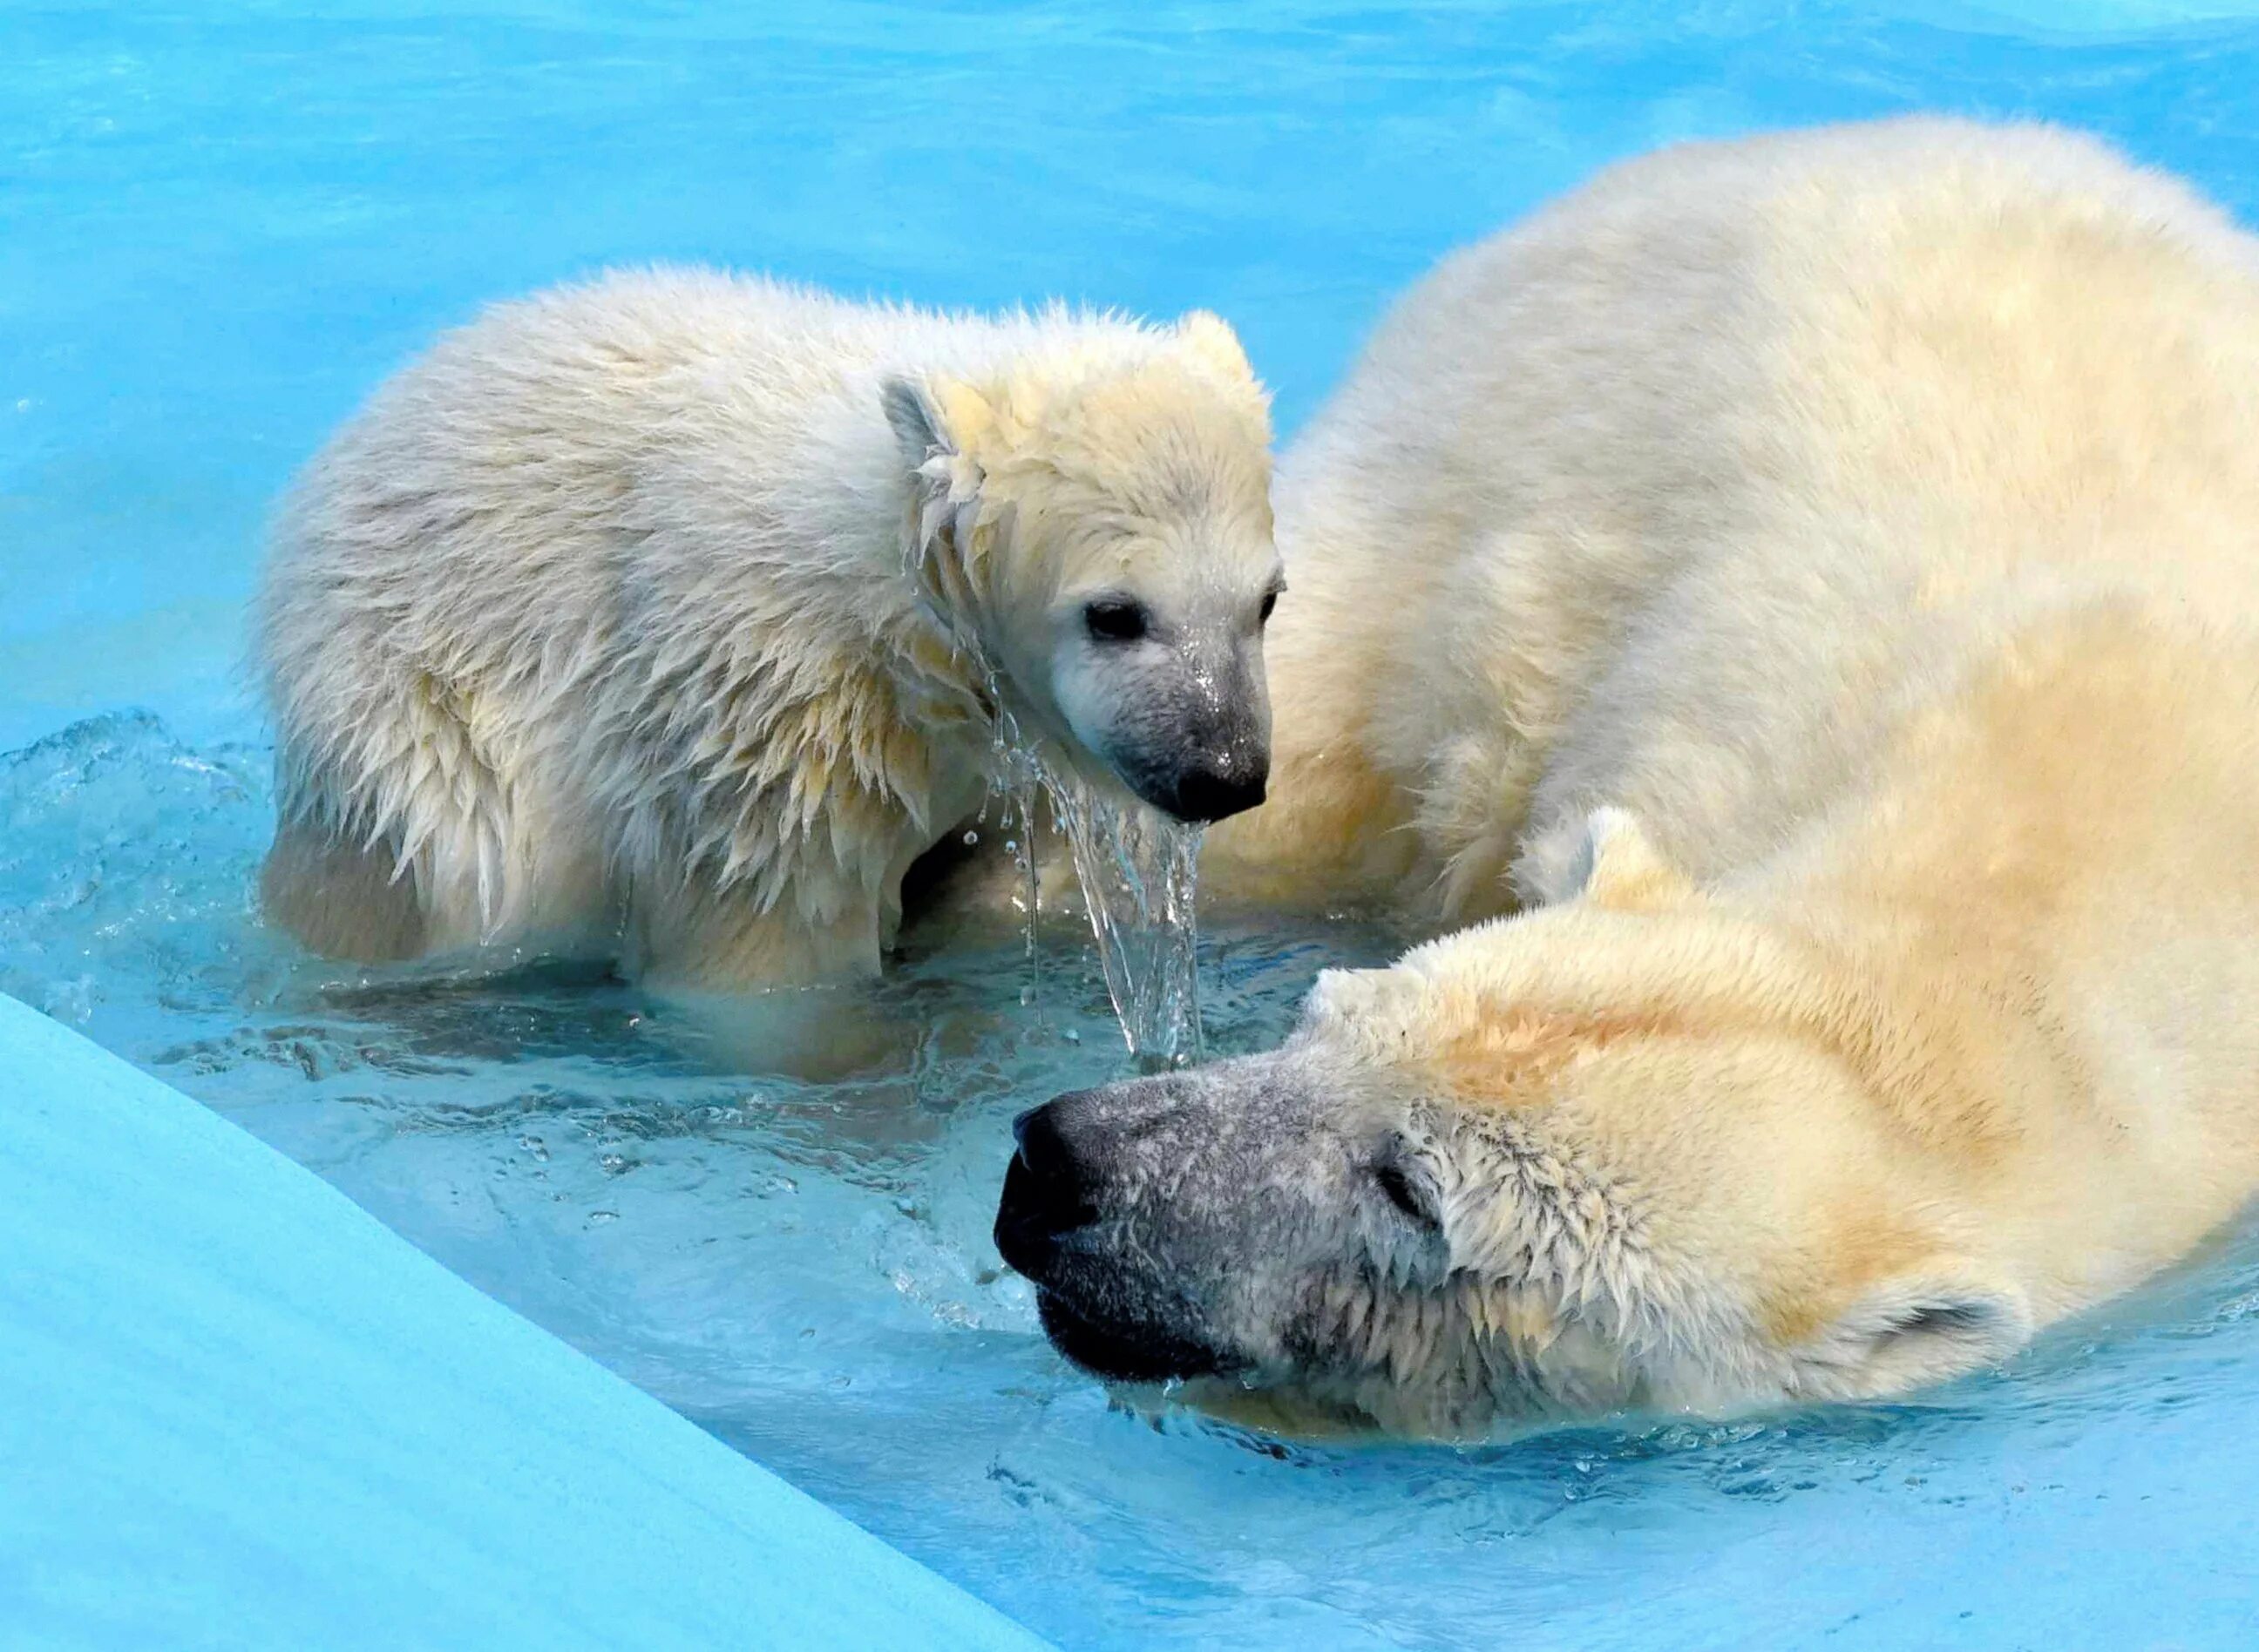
680,611
1821,581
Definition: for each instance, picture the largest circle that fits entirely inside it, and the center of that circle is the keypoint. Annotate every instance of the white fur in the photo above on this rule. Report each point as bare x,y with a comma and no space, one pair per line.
1652,500
1813,581
679,599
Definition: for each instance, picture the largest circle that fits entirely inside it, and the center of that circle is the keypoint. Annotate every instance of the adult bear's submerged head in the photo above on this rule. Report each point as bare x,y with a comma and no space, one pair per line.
1610,1155
1101,529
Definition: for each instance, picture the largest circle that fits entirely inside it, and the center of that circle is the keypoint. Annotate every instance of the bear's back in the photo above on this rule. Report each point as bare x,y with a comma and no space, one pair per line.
1625,483
2011,328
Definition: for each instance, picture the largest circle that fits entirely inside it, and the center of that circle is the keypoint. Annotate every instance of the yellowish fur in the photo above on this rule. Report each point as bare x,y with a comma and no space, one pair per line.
1833,389
1857,642
1982,1036
675,612
1803,595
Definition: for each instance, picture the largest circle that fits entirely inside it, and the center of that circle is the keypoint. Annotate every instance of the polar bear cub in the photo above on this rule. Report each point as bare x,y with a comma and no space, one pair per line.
1822,593
679,611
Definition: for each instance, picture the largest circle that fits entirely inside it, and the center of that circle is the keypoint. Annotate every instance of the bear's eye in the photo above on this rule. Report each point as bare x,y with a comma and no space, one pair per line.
1270,602
1401,1193
1116,619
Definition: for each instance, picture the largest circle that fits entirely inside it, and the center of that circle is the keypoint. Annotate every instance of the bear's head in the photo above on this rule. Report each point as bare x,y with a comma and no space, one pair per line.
1627,1152
1096,524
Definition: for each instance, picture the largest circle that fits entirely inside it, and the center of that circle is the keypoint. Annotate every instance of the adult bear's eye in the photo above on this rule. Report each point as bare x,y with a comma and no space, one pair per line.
1116,619
1397,1186
1270,602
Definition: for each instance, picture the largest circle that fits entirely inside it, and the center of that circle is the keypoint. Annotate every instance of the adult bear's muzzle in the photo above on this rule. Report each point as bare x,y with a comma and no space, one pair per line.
1163,1220
1046,1220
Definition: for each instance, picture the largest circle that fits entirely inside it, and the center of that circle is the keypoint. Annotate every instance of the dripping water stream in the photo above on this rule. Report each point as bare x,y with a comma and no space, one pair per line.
1139,874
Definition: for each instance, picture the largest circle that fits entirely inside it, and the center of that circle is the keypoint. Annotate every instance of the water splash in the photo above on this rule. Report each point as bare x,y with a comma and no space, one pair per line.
1016,775
1139,874
1020,823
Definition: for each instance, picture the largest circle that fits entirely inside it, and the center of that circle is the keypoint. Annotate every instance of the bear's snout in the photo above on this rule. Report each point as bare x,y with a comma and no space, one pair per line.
1185,724
1049,1189
1113,1321
1214,788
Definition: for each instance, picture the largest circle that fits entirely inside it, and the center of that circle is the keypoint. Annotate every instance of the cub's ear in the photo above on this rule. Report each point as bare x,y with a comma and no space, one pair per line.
934,419
1919,1328
1209,337
1623,871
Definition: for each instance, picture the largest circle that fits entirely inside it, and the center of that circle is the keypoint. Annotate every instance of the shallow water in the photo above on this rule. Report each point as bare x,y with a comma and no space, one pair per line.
219,224
805,1270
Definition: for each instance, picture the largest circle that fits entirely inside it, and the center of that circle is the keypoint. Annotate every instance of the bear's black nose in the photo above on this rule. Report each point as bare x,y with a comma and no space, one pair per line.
1048,1191
1212,792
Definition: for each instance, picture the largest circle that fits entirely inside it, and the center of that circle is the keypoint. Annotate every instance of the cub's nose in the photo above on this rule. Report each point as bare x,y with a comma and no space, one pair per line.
1212,790
1050,1190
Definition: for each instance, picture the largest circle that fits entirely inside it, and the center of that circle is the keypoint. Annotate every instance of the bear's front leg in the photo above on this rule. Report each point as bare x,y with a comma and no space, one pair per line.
704,940
767,992
340,899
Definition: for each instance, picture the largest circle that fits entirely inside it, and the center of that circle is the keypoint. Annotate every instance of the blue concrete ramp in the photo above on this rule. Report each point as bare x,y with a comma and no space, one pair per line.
236,1410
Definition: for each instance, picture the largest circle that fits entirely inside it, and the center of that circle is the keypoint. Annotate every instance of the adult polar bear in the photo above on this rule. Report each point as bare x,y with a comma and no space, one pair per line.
1820,576
671,608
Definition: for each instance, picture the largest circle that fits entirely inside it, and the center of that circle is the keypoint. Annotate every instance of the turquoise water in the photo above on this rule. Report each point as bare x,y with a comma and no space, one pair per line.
219,224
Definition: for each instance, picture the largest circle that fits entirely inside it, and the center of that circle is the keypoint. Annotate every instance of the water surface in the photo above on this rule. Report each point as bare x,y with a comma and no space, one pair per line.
221,224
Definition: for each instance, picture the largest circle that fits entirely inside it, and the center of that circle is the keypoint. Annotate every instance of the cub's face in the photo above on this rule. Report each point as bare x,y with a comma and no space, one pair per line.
1510,1179
1112,537
1146,638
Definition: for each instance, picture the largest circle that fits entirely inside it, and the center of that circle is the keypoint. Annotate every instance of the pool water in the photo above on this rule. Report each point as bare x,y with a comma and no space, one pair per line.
220,223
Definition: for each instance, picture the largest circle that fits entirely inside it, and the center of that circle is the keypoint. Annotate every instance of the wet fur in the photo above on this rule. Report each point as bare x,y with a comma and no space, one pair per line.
661,611
1804,594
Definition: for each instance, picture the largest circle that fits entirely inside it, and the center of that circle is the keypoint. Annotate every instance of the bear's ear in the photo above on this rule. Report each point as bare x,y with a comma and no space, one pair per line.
934,419
1209,337
1940,1322
1341,992
1348,996
1622,870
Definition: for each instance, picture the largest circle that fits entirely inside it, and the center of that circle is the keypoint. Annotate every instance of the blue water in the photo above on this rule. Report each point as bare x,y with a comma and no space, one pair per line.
221,222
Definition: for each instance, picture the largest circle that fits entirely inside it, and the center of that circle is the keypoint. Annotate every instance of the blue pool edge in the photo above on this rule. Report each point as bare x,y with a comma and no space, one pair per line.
237,1410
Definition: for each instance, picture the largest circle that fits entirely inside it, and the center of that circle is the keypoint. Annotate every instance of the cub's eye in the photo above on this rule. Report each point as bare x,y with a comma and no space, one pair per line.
1398,1187
1116,619
1270,602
